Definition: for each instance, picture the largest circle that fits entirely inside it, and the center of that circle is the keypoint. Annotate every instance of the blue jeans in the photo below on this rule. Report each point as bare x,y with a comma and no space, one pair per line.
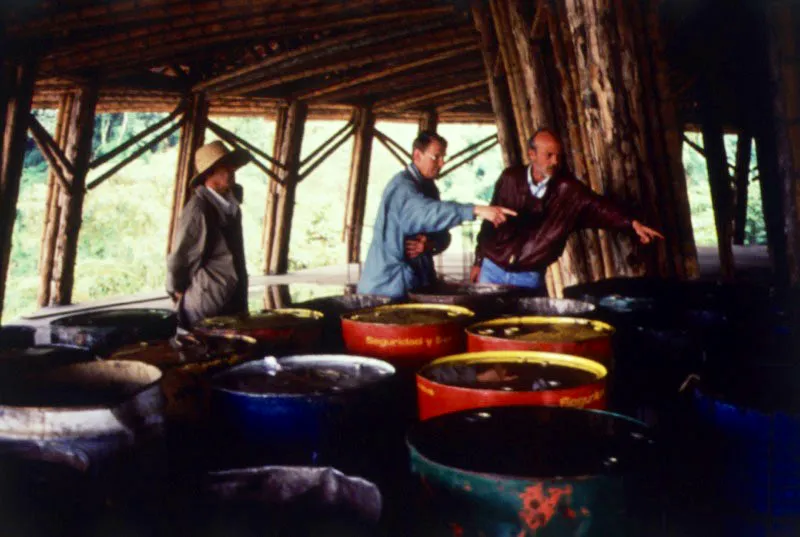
491,273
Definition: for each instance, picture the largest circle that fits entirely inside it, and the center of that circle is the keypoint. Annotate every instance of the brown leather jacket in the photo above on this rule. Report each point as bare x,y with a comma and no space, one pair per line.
536,237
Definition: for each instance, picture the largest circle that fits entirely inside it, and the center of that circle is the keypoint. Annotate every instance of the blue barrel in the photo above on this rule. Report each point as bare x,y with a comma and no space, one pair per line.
301,409
534,471
748,441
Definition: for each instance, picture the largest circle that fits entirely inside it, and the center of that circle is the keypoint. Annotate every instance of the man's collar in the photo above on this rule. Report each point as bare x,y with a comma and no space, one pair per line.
412,168
228,204
534,183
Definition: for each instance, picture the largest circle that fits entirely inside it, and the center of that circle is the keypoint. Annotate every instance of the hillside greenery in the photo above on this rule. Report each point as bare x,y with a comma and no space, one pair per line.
123,237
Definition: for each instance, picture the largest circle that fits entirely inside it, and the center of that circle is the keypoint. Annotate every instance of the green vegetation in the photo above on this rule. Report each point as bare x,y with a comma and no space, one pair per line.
123,238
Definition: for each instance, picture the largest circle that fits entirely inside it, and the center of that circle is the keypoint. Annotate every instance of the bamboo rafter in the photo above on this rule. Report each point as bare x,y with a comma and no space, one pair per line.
382,138
99,161
136,154
327,142
239,143
426,95
388,139
472,156
311,167
358,58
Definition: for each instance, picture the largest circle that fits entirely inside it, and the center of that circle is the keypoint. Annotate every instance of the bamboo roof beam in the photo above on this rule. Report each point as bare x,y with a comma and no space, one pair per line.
169,43
426,95
443,73
389,71
357,60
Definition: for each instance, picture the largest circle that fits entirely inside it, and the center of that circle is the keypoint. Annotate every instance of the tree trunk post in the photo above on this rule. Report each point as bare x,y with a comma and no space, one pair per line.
17,83
359,177
289,155
268,237
741,179
78,150
429,120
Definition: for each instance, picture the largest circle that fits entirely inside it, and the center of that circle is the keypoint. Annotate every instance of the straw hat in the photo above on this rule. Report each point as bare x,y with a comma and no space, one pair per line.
213,154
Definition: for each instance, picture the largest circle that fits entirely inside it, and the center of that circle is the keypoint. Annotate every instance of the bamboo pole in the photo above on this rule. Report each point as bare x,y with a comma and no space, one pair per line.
357,60
720,181
48,146
324,145
498,87
426,94
328,152
52,209
78,150
284,211
399,148
121,148
222,132
468,159
236,145
40,136
273,193
192,137
135,155
428,121
383,139
357,185
18,82
741,179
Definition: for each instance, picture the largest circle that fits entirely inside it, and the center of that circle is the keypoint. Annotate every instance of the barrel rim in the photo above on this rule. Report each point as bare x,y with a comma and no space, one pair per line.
608,330
225,322
464,313
125,351
164,314
149,368
505,356
230,370
497,476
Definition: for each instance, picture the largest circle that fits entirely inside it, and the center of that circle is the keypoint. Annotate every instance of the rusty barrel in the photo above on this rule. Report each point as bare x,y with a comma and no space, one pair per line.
406,335
566,335
278,331
528,470
188,363
508,378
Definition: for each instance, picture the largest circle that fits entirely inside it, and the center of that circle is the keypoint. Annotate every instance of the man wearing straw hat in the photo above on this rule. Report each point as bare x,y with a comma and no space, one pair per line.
206,272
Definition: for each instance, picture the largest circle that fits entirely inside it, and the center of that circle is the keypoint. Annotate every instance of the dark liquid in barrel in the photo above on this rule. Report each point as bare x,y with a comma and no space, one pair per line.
560,332
65,395
512,376
301,380
267,319
408,316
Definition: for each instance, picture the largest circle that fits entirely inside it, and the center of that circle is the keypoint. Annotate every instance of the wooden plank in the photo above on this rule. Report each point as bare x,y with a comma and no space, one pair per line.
16,108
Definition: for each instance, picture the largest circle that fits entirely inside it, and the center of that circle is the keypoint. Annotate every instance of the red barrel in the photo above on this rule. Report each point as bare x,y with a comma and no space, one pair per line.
286,330
406,335
565,335
509,378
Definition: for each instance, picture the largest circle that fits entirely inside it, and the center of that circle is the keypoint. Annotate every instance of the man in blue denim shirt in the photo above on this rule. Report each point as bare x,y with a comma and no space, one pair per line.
405,211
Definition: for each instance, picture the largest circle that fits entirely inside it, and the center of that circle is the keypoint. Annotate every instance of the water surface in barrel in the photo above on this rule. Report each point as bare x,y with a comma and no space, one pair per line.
408,316
300,379
510,376
544,331
529,441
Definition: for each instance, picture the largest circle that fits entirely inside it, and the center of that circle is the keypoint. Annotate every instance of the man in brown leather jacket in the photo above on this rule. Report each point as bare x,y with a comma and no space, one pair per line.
551,205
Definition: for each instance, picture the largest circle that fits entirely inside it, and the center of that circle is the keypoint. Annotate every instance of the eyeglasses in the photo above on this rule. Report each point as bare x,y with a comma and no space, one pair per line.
439,158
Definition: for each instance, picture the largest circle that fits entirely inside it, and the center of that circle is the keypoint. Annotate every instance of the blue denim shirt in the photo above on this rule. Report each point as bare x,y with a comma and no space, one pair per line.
403,211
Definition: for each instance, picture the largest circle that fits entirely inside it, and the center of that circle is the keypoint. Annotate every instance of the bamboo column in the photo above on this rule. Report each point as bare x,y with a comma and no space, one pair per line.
192,138
741,180
289,155
785,190
52,207
17,83
272,191
429,121
498,87
359,177
78,150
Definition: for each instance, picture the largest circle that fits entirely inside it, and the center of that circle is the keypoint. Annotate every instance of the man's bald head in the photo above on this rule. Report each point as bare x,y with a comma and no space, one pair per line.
544,153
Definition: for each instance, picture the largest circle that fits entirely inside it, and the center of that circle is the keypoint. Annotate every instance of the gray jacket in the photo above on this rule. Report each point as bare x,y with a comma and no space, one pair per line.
207,262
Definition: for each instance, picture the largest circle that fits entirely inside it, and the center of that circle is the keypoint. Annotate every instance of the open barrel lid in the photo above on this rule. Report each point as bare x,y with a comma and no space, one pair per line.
534,442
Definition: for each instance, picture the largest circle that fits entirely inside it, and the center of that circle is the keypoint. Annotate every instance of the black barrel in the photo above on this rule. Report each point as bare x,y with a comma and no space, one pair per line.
333,307
487,300
104,330
17,336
